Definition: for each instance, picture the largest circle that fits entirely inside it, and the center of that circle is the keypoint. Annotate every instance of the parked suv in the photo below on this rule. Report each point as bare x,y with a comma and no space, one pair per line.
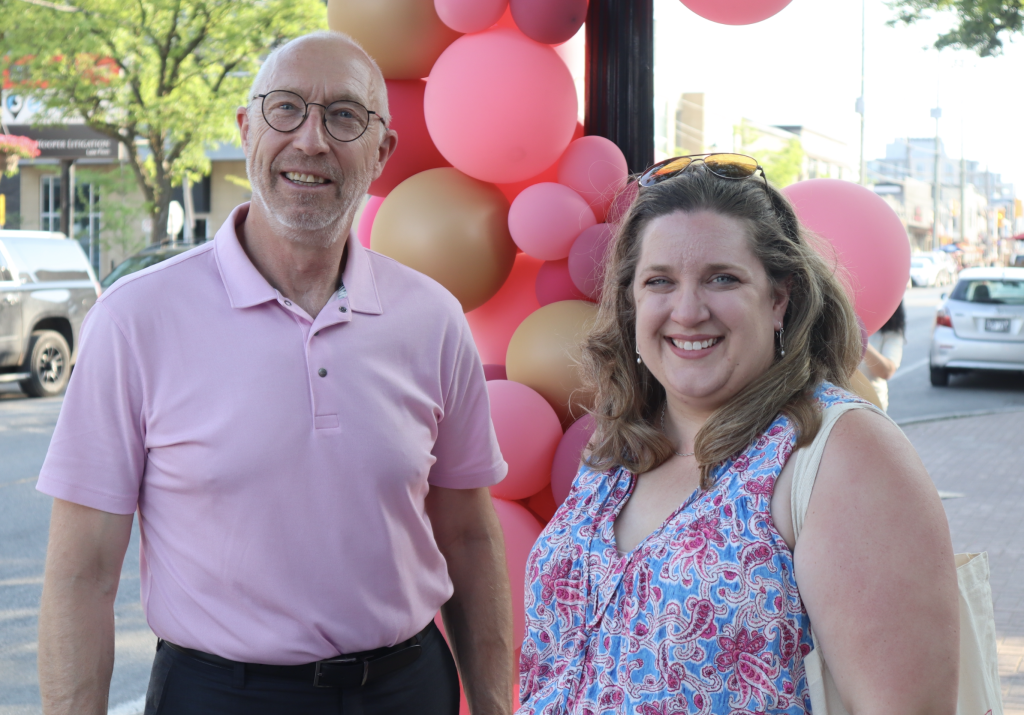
46,288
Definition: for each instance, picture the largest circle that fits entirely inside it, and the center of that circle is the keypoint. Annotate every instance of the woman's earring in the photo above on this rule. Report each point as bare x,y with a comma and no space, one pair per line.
782,347
638,360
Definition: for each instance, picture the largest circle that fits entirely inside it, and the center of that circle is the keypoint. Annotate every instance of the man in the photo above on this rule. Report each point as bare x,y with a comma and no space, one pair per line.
303,427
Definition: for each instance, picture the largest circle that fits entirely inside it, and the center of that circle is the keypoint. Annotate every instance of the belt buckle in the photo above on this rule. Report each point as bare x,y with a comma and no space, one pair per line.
340,661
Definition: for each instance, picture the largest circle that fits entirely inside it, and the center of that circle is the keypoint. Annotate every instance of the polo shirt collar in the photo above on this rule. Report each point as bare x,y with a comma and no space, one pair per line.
247,287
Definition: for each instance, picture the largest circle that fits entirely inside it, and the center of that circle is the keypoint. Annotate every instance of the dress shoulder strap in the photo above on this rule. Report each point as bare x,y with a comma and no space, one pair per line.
808,458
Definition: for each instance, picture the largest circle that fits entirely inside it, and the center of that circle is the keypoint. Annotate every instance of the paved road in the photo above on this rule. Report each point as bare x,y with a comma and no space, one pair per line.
978,457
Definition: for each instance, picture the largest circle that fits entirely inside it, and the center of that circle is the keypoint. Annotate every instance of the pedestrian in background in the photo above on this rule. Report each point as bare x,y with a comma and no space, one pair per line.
672,579
884,353
303,428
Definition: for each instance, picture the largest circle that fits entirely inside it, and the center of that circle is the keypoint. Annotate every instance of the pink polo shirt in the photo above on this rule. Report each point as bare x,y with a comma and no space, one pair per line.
279,463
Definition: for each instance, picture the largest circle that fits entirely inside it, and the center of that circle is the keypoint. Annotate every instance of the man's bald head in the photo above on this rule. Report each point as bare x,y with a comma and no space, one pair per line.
330,41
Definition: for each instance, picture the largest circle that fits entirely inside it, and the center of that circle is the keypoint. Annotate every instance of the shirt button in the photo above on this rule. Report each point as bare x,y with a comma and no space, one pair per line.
287,302
322,372
343,309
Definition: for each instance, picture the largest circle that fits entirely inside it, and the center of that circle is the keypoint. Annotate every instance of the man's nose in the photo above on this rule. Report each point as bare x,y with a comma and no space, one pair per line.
311,137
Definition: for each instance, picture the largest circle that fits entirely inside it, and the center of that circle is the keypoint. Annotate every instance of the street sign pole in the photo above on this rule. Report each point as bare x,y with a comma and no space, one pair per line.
620,77
67,197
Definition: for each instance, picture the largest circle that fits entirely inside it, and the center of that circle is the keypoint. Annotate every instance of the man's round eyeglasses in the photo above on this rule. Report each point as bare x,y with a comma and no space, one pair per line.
344,120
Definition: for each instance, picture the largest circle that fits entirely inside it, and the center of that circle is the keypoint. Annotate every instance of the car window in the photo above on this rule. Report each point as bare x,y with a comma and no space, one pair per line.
916,263
1007,292
5,272
49,259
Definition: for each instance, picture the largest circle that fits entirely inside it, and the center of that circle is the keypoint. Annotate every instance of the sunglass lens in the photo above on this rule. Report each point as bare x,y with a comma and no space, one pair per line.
658,172
731,166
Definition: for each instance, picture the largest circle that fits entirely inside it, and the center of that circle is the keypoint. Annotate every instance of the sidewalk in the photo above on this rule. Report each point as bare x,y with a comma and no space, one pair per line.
978,462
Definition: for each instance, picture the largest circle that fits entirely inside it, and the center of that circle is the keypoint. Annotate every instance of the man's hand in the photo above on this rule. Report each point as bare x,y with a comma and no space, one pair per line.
478,617
76,617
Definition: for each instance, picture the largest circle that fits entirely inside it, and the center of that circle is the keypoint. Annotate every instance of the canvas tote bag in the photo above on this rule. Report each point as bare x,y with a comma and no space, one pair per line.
979,692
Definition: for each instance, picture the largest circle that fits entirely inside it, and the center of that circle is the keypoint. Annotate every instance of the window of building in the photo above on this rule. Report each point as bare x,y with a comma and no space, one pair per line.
86,228
49,213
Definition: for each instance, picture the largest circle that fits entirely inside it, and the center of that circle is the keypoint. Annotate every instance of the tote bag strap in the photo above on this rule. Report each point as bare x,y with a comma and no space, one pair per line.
808,458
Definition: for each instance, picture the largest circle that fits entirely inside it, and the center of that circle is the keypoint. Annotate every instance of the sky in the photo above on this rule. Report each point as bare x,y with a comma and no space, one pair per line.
803,67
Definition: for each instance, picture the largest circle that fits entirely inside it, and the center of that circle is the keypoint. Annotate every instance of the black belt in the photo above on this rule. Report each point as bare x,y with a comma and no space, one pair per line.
344,671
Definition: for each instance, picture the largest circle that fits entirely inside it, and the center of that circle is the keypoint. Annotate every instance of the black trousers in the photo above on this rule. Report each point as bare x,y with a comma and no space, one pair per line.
182,685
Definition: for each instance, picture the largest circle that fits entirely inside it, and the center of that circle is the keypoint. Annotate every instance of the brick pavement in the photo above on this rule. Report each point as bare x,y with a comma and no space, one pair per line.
982,458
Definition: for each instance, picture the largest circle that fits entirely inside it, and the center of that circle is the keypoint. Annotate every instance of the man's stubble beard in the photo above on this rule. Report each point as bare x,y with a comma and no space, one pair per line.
308,225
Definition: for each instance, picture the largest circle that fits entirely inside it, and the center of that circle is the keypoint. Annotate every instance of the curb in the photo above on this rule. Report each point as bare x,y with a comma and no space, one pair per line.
959,415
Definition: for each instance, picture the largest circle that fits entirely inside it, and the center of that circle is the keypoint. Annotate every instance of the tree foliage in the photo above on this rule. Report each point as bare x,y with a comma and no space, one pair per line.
982,24
162,77
783,166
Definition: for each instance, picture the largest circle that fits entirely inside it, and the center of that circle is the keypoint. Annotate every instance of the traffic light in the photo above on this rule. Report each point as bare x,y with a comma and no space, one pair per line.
1000,215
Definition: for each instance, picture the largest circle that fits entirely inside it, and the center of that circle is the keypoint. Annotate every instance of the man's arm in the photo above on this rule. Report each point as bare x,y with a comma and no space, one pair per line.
76,617
478,617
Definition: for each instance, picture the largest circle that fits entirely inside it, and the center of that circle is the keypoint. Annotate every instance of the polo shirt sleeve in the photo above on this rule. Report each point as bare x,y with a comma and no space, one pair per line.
97,454
466,449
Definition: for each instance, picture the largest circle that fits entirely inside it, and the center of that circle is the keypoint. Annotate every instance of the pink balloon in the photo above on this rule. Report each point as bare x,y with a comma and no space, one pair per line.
494,322
587,259
549,21
495,372
546,218
554,283
470,15
866,237
596,169
366,220
736,12
513,190
528,432
568,455
621,204
521,530
499,106
416,151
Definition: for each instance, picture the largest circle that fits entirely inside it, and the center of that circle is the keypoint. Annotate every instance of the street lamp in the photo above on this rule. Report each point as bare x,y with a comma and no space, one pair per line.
936,113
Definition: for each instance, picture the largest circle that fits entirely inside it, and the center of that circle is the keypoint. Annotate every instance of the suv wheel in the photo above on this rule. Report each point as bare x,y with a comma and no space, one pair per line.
939,376
49,363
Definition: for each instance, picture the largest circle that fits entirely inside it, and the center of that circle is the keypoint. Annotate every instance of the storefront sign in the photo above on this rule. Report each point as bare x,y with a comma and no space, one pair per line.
68,142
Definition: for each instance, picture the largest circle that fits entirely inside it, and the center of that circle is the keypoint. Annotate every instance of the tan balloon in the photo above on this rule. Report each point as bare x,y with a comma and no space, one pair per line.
544,352
405,37
451,227
862,388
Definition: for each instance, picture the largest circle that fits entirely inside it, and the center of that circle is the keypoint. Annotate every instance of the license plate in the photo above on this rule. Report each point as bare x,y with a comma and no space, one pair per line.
997,325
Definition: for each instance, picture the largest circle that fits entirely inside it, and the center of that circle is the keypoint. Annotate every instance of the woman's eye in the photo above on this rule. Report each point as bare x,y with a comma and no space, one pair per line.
723,280
655,281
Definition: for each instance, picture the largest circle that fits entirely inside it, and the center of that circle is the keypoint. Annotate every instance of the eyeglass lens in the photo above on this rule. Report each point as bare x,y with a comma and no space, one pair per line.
285,111
728,166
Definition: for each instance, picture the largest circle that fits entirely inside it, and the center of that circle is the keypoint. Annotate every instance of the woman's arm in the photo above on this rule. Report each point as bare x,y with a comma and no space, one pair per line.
875,568
878,364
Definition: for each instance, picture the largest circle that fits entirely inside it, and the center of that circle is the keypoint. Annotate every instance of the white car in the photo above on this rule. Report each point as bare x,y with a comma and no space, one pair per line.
981,324
932,269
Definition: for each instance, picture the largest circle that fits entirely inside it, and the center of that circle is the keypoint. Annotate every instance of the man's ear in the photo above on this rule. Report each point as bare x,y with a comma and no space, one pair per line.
242,118
385,150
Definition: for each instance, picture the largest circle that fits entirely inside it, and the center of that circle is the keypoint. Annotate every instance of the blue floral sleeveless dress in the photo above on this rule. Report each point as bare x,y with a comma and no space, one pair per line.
703,616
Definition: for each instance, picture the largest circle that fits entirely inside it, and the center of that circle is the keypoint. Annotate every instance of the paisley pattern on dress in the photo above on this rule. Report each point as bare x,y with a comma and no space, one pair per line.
703,616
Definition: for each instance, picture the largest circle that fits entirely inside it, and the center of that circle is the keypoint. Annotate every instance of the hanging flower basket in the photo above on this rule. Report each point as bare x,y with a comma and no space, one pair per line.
12,149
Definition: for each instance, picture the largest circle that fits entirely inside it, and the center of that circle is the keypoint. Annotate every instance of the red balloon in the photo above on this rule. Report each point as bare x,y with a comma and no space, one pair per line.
587,259
554,283
470,15
476,99
494,322
521,530
495,372
549,21
596,169
866,237
550,174
542,505
366,220
568,456
415,151
736,12
528,432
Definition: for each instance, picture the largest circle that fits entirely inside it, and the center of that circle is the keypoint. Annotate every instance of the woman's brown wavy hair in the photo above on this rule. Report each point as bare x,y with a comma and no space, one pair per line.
822,335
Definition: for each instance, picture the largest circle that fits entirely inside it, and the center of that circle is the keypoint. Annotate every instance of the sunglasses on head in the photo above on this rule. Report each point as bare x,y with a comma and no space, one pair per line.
726,166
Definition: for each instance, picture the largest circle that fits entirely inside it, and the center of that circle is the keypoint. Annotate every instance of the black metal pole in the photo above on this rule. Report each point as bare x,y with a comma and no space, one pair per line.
67,195
620,77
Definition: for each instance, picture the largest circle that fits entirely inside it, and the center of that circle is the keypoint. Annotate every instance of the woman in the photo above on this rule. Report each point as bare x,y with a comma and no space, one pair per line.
884,353
668,581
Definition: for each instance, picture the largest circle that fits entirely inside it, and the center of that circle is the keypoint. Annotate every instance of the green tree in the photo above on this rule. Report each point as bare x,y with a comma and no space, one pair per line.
982,24
121,214
162,77
782,166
